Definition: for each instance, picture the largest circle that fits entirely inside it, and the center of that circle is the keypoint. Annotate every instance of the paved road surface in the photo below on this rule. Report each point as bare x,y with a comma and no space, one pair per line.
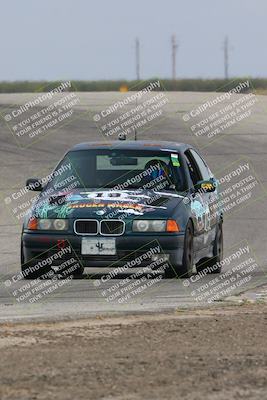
245,224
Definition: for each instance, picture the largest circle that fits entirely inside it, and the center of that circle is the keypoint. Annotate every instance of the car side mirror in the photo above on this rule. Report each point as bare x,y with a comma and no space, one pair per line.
34,184
206,186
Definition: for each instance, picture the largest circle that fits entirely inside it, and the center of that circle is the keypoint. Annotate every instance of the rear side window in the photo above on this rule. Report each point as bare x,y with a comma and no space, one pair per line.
199,164
193,168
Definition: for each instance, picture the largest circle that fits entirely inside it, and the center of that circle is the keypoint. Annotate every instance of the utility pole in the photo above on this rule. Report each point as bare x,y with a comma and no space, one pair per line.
226,57
174,51
137,58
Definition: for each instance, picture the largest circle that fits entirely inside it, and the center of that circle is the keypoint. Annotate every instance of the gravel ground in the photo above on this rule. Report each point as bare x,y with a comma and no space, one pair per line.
217,353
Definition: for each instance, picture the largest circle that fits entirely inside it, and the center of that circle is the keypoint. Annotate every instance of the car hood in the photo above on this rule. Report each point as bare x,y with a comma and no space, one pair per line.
93,203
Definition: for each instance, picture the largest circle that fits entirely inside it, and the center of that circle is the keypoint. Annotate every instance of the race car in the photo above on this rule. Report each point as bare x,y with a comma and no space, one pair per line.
107,204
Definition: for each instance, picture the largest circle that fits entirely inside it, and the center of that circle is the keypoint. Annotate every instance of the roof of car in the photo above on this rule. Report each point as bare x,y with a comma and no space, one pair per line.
132,145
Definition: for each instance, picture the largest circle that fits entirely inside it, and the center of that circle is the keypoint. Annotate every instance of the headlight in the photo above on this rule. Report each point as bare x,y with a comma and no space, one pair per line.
143,225
158,226
155,225
46,224
60,224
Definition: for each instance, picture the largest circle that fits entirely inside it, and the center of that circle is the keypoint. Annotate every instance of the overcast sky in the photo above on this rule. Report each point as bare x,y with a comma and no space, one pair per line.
85,39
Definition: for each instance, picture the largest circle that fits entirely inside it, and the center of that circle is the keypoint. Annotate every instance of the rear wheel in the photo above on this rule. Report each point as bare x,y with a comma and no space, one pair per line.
186,269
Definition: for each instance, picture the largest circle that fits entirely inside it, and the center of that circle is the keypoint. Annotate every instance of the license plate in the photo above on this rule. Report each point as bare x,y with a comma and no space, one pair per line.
98,247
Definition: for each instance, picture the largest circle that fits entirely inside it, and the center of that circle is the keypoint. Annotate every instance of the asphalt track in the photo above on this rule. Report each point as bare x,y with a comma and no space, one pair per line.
247,139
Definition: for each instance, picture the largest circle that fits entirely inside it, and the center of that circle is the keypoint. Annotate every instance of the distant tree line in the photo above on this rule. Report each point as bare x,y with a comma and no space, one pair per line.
191,85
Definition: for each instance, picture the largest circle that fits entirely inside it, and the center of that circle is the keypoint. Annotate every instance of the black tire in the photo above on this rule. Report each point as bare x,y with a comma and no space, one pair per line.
44,273
24,266
217,250
186,269
78,273
217,253
47,273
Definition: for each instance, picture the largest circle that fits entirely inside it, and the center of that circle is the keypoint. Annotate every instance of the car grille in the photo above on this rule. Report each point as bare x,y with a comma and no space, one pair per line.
86,227
107,227
111,227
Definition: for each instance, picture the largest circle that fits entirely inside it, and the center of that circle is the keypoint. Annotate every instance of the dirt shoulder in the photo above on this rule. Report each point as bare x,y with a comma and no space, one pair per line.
216,353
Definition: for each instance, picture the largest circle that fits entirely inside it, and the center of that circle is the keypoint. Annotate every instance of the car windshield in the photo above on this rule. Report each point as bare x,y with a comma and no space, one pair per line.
119,169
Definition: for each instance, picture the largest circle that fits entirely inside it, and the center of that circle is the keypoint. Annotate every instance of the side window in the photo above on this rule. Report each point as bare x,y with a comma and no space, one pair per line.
192,167
203,169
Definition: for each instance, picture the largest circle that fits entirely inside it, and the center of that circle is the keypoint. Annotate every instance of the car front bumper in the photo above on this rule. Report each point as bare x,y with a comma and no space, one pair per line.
38,246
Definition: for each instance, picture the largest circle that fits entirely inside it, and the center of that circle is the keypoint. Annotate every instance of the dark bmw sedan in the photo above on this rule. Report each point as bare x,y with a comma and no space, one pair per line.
107,204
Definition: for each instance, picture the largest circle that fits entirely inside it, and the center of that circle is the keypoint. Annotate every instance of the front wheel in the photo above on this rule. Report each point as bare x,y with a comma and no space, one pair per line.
29,271
28,268
213,264
217,251
78,273
186,269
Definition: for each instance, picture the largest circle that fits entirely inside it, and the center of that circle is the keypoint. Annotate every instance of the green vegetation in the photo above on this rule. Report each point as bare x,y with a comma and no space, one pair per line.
195,85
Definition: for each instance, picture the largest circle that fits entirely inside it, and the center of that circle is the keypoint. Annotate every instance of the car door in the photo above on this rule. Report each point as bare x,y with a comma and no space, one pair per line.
201,201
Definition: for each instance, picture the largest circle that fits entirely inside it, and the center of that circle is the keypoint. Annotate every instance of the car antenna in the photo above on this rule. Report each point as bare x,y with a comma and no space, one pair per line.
122,136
